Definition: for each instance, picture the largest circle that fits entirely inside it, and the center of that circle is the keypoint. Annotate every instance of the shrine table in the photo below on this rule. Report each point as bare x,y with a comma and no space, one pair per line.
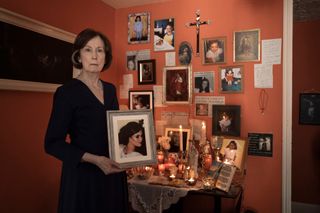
155,198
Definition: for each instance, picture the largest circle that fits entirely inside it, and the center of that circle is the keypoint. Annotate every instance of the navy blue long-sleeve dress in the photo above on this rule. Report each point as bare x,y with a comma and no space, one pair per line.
84,187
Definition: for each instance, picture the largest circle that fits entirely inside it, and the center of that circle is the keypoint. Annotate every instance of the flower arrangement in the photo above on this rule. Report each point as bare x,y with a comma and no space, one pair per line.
164,142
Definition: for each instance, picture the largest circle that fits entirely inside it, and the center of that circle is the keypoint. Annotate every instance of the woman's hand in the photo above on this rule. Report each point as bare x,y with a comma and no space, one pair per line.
107,165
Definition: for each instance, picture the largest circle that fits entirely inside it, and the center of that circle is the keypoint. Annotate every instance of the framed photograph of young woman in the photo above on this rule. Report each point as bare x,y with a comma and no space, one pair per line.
178,143
309,109
226,120
231,79
214,50
246,45
131,138
141,99
164,35
177,85
147,71
139,28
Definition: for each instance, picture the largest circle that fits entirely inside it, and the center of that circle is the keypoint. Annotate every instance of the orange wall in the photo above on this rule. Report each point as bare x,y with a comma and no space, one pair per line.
305,138
31,177
263,180
29,180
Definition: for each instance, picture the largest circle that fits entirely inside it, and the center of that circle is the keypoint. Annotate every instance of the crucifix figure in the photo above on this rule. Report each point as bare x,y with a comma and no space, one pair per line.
197,23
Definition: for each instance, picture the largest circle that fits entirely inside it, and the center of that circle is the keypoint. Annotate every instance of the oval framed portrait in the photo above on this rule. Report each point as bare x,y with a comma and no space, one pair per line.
185,53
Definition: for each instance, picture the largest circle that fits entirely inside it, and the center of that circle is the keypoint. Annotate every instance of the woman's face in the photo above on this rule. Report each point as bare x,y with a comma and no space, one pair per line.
136,139
130,65
92,55
169,29
204,84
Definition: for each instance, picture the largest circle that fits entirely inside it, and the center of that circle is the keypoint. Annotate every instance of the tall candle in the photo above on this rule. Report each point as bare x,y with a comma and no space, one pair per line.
204,132
181,137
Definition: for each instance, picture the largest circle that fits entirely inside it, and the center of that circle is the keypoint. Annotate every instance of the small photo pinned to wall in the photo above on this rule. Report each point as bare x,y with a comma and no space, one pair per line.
260,144
202,109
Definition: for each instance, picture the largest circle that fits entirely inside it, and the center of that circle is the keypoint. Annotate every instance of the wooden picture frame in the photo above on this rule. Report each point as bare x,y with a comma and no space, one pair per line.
147,71
139,31
141,99
309,108
231,79
164,35
234,154
50,67
226,120
246,45
120,125
214,50
177,85
176,144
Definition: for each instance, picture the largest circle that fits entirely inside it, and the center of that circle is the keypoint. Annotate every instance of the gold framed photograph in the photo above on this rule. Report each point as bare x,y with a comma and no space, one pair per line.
246,45
214,50
139,28
231,79
179,138
233,152
177,84
131,137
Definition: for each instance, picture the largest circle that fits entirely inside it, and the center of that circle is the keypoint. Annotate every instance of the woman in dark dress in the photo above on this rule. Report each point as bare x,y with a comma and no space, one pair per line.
90,181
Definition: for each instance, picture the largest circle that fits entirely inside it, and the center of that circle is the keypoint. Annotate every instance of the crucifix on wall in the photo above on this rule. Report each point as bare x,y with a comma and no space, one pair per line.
197,24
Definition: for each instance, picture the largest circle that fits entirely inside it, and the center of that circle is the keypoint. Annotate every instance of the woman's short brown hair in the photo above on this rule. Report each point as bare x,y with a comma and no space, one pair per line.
82,39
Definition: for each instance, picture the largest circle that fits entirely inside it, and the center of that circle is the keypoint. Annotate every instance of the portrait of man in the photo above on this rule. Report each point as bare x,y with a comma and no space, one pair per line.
246,45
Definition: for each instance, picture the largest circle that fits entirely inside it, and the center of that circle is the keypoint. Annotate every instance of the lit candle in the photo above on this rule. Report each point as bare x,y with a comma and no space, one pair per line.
191,181
161,168
204,132
181,138
160,157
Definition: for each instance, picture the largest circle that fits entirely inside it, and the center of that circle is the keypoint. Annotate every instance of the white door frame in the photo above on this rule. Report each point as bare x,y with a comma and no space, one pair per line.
287,105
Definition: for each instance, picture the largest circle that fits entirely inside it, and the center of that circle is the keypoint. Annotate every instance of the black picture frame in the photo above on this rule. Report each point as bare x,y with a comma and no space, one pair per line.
147,71
309,108
260,144
226,120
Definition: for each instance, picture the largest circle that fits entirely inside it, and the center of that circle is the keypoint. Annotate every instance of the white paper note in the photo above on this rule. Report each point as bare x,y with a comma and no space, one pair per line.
170,59
124,90
128,80
263,76
271,51
158,94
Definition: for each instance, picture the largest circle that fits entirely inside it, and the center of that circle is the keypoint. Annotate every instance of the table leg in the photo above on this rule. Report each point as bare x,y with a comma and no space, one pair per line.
217,204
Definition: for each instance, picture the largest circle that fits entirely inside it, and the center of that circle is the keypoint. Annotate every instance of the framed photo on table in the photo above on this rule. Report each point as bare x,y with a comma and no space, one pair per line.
226,120
177,85
246,45
214,50
309,108
164,35
139,28
231,79
147,71
176,143
141,99
134,127
233,152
